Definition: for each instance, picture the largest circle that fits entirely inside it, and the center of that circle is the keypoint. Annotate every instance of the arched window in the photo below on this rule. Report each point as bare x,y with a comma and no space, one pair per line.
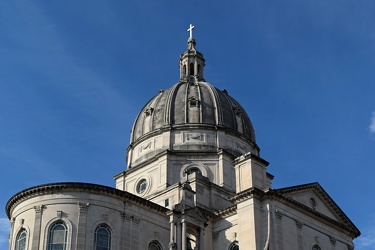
21,240
191,69
234,246
316,247
57,237
154,245
102,238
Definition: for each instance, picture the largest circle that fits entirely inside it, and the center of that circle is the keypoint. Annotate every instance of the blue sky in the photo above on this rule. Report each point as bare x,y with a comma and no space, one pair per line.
74,75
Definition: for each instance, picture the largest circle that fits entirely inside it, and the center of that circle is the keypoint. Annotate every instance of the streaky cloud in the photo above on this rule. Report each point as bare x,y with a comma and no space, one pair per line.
367,240
372,123
4,232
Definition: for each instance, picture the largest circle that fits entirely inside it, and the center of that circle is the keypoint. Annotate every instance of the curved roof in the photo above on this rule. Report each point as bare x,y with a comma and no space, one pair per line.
192,103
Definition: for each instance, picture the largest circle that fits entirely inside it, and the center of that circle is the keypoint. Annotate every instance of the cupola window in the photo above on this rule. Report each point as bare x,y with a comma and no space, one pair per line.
193,102
191,71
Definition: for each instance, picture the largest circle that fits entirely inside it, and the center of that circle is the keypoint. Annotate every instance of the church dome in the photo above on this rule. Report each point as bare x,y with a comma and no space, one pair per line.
191,116
196,105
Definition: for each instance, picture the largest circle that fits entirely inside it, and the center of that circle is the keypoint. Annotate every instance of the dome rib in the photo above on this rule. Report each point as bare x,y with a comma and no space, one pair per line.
218,108
168,113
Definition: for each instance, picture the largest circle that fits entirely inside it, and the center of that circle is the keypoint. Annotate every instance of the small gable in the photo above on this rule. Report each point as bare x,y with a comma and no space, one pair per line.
315,199
311,198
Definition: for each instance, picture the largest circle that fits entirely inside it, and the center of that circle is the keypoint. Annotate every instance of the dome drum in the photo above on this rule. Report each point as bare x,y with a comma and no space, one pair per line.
187,139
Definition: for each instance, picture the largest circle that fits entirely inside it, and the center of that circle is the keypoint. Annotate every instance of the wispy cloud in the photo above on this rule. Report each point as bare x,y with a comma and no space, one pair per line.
372,123
4,232
366,240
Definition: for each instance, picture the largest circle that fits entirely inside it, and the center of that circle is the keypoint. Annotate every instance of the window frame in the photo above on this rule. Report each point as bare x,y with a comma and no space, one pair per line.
22,231
109,237
154,243
234,246
51,229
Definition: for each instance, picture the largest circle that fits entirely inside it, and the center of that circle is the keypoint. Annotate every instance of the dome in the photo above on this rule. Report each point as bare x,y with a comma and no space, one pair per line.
192,115
195,105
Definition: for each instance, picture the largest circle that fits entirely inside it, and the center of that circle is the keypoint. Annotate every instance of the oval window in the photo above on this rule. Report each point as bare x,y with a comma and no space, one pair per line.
141,186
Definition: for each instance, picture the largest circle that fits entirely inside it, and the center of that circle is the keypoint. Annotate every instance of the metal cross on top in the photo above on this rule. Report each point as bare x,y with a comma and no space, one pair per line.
191,30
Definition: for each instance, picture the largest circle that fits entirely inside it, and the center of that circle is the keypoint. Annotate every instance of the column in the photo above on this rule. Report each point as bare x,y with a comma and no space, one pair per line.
37,227
172,235
183,240
201,239
11,242
82,225
299,234
178,234
279,231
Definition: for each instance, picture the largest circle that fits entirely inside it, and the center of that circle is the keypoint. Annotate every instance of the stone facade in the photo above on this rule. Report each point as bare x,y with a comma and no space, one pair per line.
195,180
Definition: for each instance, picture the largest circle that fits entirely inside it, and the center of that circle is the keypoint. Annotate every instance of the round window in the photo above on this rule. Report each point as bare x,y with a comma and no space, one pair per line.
313,202
141,186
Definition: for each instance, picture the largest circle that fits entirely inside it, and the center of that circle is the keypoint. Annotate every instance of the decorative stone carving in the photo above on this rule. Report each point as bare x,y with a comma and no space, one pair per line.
241,147
278,214
146,146
59,214
39,209
299,224
136,220
128,217
332,240
12,221
83,207
194,137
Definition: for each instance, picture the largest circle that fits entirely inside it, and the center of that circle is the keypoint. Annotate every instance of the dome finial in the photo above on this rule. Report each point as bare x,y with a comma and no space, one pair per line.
190,29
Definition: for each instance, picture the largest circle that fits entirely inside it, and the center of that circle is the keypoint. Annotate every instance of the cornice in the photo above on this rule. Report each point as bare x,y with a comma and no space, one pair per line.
225,213
80,187
278,194
249,155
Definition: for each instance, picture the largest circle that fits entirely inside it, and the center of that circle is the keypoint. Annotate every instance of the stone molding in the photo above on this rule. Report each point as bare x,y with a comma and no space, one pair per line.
39,209
64,187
